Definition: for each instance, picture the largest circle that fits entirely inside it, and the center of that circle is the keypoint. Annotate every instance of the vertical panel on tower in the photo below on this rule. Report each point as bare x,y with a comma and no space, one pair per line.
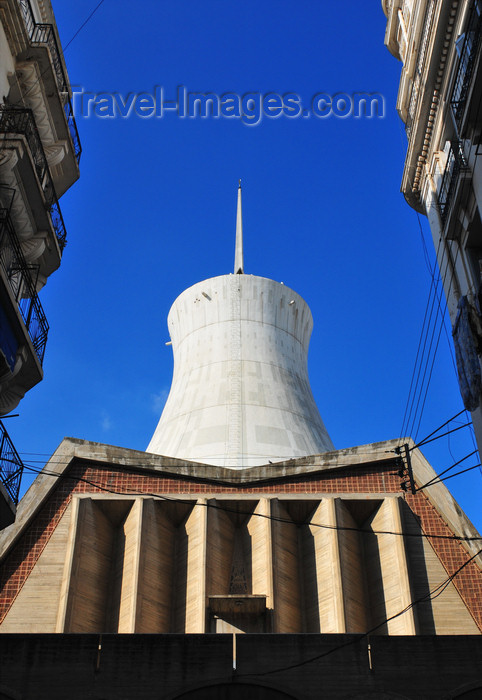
387,571
220,527
324,611
126,568
258,528
287,616
94,567
190,572
156,566
355,601
237,587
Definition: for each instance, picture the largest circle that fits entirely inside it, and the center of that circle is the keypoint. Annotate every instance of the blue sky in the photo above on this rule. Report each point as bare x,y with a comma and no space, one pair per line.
154,212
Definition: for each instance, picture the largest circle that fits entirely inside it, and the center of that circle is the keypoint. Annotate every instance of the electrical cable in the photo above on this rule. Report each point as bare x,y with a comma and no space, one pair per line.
283,459
424,440
436,287
452,278
449,446
438,296
429,377
428,356
427,361
62,52
467,187
463,471
446,470
424,246
422,369
406,418
431,595
449,432
422,340
81,27
215,506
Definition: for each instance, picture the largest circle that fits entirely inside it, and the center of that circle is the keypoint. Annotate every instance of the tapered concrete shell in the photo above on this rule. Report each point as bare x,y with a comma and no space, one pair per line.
240,393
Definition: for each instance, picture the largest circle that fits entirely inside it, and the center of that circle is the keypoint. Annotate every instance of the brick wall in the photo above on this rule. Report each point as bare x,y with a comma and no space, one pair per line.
82,478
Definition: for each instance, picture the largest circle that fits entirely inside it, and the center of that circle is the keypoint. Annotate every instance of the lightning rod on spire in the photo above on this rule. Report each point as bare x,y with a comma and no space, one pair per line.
238,255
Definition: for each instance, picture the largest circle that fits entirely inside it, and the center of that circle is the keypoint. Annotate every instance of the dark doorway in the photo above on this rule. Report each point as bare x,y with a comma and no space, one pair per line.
235,691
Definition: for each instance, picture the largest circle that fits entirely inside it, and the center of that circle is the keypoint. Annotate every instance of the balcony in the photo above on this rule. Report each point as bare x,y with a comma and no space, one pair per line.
390,8
43,35
20,280
467,49
417,82
15,121
455,166
11,469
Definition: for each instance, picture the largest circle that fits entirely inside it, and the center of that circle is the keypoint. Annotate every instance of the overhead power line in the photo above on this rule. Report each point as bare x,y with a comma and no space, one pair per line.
426,441
415,406
437,429
431,595
463,471
420,355
62,52
218,506
82,26
409,406
437,476
450,263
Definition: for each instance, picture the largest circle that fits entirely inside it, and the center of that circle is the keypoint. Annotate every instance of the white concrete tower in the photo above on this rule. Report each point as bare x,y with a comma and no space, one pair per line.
240,393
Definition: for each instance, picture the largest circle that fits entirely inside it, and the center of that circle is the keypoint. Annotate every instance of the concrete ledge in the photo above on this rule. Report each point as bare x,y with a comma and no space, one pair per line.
380,455
300,666
74,449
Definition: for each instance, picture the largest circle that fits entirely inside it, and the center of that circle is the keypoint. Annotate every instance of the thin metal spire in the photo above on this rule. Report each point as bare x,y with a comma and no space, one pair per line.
238,255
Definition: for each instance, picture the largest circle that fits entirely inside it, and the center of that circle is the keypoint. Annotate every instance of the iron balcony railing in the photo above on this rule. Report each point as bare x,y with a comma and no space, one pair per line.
74,134
465,69
11,466
456,163
417,86
44,35
19,276
14,120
